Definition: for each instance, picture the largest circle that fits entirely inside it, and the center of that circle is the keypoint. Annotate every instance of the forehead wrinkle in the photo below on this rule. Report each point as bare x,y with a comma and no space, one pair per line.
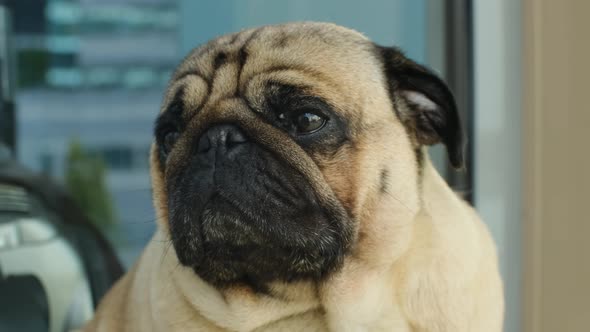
188,65
307,57
308,71
224,83
200,60
307,83
199,63
226,62
170,94
195,92
191,72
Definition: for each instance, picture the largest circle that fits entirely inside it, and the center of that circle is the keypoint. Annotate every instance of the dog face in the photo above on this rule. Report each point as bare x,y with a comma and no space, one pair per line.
275,145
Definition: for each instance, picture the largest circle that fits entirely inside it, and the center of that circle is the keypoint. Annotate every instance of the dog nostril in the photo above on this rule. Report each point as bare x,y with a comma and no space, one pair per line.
221,137
204,144
234,138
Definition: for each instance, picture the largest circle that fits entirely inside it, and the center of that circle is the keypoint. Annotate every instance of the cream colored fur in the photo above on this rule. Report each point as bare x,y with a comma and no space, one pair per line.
423,260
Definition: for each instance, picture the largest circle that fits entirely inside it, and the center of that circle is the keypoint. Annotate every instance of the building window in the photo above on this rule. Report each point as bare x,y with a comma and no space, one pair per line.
115,157
122,158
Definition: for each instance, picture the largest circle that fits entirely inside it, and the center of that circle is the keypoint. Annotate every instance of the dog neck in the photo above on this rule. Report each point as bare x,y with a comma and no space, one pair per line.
364,295
238,308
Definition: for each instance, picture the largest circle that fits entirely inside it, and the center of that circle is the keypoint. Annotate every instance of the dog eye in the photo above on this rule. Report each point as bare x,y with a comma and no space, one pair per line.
170,139
308,122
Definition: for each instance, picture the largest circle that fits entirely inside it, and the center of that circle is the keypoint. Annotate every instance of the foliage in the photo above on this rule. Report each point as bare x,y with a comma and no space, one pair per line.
85,180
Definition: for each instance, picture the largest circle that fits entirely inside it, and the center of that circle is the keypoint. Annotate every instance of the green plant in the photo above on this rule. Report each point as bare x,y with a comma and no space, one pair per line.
85,180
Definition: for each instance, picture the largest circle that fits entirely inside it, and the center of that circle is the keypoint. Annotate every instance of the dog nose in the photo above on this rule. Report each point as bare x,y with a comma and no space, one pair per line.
222,138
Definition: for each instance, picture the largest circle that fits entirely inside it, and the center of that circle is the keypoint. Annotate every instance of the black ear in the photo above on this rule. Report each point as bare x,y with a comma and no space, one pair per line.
424,103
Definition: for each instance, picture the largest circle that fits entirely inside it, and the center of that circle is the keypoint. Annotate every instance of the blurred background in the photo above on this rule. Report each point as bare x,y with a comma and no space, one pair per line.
82,82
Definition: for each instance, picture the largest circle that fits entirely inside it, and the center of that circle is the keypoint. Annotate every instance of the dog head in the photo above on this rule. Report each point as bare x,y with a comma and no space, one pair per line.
275,145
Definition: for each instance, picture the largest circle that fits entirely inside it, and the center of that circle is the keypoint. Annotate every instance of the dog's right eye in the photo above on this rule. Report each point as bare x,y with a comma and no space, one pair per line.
307,122
302,122
169,140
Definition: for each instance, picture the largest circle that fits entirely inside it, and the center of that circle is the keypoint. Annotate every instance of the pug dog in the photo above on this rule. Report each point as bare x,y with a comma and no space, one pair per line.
294,192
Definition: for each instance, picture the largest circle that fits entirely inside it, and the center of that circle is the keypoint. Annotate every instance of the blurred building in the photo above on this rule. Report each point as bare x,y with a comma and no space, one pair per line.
122,44
94,71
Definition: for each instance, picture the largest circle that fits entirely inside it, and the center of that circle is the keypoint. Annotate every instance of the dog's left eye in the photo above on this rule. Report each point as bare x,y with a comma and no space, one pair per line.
307,122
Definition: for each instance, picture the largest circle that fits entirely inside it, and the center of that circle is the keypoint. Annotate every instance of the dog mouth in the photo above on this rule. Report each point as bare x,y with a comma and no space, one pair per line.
224,217
253,219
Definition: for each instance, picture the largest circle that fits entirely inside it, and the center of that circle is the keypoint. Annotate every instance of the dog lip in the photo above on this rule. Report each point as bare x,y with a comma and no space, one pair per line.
219,193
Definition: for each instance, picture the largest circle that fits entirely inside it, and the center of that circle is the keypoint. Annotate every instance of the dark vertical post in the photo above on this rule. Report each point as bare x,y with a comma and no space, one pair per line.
459,75
7,116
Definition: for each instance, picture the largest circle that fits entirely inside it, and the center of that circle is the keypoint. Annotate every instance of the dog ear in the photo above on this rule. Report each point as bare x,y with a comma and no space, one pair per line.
430,110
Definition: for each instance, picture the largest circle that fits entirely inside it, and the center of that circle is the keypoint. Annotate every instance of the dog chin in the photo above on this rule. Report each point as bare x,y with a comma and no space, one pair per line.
238,245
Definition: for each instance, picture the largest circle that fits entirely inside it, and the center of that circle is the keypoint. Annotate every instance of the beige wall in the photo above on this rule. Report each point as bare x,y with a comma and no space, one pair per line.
556,165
